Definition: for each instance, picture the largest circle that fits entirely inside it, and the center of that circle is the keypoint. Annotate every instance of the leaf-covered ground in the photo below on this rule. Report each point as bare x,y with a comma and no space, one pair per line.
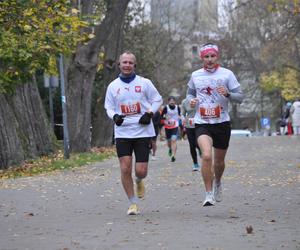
85,208
56,162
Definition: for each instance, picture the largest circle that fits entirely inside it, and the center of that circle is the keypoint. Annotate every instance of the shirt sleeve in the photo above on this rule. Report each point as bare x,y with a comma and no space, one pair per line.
154,98
109,103
236,95
183,110
234,87
156,118
179,111
191,91
292,109
164,111
232,82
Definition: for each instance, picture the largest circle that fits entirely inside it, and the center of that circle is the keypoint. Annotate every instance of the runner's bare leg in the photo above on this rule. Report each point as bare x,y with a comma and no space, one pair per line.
205,144
126,175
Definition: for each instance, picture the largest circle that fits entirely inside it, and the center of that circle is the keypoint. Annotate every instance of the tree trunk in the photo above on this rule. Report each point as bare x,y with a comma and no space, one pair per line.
24,128
81,75
10,144
102,132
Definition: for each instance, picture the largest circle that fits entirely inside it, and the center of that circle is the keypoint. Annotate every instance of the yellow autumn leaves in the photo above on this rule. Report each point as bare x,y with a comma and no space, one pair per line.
32,34
287,82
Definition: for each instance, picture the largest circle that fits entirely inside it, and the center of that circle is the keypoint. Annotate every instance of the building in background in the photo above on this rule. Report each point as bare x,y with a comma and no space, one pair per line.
195,21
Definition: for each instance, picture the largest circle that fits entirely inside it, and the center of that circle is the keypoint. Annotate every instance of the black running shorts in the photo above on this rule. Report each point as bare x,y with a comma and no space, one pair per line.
171,133
140,147
219,132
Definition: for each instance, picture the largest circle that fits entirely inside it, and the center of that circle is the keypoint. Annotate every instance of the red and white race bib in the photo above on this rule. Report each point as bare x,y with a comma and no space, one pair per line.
131,109
210,112
191,122
170,122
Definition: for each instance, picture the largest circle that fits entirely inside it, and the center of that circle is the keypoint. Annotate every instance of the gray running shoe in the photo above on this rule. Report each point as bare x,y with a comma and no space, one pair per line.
218,191
195,167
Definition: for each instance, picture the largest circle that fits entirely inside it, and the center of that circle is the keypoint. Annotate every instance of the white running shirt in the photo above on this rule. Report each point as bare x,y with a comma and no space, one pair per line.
133,100
188,114
212,107
296,113
172,117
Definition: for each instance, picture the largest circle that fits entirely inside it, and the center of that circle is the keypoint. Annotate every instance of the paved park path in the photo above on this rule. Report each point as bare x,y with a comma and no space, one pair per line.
85,208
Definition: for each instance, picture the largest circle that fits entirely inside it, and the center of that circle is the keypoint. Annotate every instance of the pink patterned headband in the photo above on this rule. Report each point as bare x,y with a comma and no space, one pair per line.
209,48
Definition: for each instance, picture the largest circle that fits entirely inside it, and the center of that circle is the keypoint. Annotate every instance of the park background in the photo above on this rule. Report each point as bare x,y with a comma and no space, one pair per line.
57,58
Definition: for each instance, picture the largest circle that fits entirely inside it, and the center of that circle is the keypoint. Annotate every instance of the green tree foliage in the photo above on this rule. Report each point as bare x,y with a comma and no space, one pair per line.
281,50
286,82
32,34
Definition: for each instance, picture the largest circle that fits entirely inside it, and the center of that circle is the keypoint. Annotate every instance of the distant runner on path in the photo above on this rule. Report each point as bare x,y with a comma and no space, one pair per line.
130,102
209,90
171,114
188,114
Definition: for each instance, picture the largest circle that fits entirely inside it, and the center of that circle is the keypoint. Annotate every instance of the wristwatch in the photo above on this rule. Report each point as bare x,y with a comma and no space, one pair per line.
228,95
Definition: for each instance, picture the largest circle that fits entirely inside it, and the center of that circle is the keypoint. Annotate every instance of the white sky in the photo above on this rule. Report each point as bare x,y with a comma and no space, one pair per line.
223,19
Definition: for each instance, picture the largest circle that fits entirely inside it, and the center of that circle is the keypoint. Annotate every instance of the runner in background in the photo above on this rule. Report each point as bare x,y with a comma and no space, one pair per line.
295,113
171,115
289,118
188,114
156,123
162,134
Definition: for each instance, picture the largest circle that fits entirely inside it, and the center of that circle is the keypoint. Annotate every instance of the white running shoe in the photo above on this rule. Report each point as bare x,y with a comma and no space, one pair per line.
153,158
133,210
218,191
209,199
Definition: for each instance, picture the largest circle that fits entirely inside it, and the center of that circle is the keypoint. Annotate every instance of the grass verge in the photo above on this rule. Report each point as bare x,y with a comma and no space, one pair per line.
56,162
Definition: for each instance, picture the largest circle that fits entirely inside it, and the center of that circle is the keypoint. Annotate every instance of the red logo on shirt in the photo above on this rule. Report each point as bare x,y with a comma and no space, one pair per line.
207,90
138,89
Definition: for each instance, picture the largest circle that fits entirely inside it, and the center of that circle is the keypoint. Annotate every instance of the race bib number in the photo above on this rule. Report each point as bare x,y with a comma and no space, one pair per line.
131,109
210,112
170,122
191,122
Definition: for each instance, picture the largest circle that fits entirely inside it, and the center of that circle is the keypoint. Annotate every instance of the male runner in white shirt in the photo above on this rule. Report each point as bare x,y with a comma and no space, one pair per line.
130,102
209,90
188,114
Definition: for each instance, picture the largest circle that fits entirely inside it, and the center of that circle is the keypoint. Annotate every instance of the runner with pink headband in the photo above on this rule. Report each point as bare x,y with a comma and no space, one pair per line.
210,89
209,48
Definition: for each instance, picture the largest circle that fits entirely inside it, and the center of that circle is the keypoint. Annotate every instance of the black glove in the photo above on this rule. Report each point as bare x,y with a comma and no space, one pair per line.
146,118
118,119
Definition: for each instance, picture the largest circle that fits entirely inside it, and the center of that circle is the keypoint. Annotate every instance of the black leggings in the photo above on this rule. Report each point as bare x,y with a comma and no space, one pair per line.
190,132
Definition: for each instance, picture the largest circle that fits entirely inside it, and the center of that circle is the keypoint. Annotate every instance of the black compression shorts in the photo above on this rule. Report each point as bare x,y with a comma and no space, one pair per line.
140,147
171,133
219,132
